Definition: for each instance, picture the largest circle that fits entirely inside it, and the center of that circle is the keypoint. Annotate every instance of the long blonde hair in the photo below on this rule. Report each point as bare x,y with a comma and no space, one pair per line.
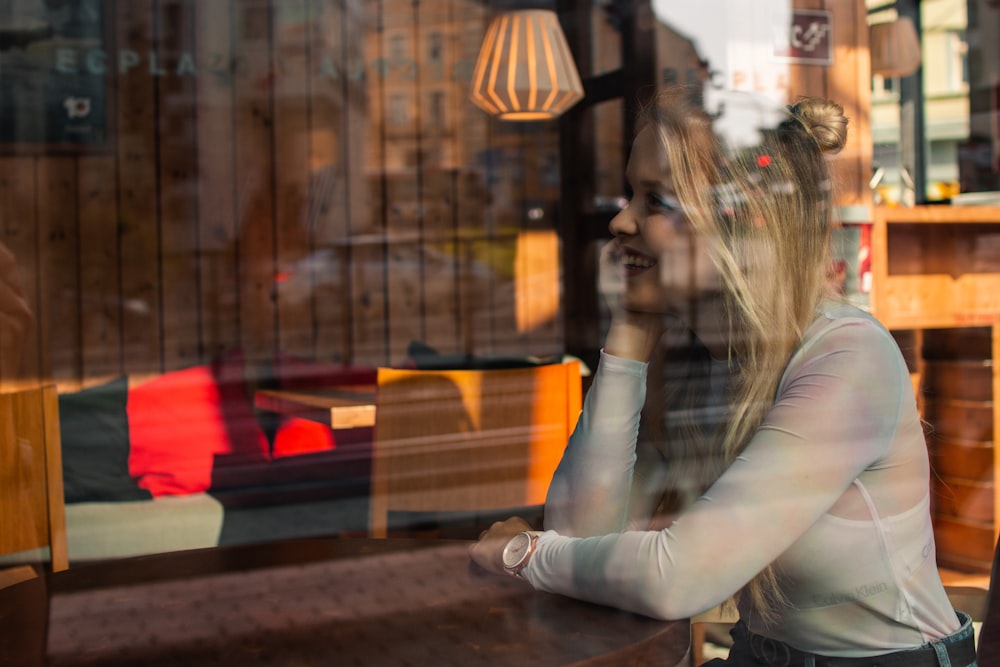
766,213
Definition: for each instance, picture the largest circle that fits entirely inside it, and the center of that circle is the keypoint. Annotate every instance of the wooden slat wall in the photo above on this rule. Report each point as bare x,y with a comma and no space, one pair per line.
99,268
293,99
254,167
138,191
256,196
216,186
177,151
59,251
18,210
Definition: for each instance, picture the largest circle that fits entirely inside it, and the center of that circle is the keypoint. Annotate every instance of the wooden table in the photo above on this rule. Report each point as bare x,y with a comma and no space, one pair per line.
340,407
334,602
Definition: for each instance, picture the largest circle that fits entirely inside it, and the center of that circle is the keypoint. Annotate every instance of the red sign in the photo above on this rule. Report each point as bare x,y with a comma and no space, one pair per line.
805,36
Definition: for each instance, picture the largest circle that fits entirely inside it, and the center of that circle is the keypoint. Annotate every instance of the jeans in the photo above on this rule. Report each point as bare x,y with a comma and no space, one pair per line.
750,651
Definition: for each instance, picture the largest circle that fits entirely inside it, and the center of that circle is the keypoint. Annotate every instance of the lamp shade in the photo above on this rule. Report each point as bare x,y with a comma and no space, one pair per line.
895,48
525,70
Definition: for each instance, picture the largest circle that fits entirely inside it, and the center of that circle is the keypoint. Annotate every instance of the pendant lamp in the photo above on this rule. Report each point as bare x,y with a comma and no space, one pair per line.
895,48
525,70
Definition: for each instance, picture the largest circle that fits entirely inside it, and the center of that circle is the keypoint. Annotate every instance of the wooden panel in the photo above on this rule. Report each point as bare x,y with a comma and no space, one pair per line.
471,203
995,355
254,169
295,288
59,315
179,234
138,213
464,441
966,343
849,83
405,214
443,264
335,162
964,545
18,231
961,420
31,461
962,458
369,304
960,379
963,499
943,271
216,183
100,335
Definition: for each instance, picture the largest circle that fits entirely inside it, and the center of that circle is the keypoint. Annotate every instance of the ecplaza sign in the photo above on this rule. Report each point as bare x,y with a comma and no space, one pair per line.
99,62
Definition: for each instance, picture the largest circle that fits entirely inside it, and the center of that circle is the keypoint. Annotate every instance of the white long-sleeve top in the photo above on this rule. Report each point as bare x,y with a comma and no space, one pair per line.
833,489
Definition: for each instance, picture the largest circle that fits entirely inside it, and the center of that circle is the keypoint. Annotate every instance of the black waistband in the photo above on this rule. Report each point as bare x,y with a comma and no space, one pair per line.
778,654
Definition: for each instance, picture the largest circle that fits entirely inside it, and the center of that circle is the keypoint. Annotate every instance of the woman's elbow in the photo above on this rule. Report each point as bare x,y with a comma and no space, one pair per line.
671,602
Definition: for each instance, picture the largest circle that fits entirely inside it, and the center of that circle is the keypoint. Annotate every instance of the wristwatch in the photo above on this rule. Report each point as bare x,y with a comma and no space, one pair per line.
518,550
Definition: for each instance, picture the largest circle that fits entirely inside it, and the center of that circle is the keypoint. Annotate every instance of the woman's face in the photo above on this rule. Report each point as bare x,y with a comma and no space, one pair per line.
665,264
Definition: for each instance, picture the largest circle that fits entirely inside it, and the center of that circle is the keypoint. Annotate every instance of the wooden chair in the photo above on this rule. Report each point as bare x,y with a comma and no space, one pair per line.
31,495
723,616
983,605
31,486
466,441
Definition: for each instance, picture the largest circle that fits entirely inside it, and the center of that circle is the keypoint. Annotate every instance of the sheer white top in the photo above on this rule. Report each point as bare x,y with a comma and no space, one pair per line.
833,488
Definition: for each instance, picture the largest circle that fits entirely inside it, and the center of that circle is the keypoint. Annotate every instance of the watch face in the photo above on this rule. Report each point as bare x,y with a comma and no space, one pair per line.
514,552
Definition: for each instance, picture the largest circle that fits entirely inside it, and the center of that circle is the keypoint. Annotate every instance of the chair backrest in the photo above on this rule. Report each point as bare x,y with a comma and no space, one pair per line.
31,484
469,440
989,632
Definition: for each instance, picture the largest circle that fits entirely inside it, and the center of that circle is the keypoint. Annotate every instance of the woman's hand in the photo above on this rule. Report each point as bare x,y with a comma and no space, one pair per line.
16,319
633,334
487,552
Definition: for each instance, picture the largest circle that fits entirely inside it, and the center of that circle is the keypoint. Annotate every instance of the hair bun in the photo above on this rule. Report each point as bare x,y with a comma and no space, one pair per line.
824,120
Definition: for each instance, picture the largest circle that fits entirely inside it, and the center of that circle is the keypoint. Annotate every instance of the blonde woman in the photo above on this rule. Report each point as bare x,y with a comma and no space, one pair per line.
782,437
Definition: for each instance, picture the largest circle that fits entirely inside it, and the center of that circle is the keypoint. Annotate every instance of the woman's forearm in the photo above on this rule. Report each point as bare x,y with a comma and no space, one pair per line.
589,493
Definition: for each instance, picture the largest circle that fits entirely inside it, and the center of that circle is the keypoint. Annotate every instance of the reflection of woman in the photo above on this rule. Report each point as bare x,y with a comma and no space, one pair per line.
806,452
15,317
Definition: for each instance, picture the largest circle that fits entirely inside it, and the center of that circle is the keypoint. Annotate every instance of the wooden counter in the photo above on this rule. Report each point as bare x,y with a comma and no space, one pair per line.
936,271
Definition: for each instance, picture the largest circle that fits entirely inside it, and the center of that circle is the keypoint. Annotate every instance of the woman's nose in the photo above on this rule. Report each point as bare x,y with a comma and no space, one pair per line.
623,223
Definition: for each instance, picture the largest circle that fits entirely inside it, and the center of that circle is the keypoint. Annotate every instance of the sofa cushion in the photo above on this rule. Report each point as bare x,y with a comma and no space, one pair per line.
183,419
297,436
341,472
94,429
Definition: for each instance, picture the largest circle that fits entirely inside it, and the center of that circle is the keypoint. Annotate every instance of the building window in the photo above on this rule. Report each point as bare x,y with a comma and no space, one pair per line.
397,47
884,87
957,62
436,109
399,109
435,47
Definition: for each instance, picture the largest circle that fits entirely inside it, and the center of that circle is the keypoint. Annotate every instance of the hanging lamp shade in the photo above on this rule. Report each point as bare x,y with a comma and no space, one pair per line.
525,70
895,48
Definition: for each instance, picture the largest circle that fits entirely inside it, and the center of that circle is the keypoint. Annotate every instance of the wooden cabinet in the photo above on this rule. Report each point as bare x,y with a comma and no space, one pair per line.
936,273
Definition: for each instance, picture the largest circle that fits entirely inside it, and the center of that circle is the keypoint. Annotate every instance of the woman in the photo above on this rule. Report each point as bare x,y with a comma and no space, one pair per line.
784,440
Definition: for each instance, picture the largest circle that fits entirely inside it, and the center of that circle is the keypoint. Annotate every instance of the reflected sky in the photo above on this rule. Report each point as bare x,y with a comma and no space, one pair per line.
738,39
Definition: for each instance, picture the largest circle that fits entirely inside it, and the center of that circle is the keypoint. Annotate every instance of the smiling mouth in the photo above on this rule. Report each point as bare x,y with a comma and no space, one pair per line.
634,263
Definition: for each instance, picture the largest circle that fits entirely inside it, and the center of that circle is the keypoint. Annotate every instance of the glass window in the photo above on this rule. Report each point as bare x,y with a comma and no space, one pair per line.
209,205
255,195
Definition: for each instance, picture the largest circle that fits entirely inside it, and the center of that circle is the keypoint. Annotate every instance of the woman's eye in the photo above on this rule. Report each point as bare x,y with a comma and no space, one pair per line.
665,203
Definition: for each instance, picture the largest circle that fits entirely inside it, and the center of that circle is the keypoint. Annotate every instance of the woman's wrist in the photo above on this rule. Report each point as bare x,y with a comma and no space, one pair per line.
634,336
